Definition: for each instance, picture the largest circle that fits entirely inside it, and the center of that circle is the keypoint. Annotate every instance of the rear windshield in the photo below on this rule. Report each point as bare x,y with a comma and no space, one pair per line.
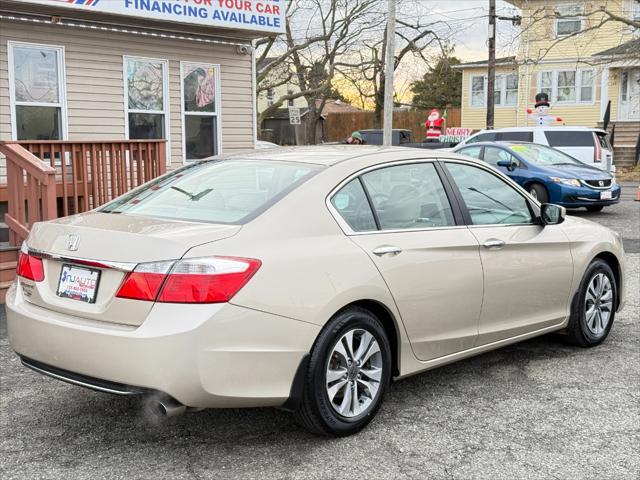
566,138
227,191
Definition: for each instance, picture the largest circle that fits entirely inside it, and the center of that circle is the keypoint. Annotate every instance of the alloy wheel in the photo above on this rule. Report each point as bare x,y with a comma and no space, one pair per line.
354,373
598,303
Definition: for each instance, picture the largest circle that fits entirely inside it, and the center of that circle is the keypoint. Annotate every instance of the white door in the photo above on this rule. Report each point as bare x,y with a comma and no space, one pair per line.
629,95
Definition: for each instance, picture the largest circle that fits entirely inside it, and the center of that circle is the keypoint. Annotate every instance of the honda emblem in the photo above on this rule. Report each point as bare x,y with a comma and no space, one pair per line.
601,183
72,242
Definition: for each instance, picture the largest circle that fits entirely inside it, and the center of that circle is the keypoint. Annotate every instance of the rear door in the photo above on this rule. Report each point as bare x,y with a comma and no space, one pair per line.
430,263
528,268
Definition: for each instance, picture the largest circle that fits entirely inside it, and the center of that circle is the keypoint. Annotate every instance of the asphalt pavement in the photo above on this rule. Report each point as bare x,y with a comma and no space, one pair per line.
535,410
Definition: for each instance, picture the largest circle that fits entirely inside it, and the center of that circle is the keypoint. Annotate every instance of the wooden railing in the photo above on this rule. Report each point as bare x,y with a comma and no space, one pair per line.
47,179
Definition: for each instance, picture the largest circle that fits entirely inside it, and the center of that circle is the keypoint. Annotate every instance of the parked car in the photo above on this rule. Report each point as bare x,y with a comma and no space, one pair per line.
402,138
549,175
589,145
305,279
261,144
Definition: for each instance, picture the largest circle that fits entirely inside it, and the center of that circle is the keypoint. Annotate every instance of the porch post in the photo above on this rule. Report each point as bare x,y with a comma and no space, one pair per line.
604,91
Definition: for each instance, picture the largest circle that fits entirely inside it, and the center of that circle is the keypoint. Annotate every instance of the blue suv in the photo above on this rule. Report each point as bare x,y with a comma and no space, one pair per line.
549,175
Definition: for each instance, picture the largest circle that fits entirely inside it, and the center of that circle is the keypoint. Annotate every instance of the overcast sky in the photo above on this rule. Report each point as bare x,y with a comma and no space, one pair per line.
469,19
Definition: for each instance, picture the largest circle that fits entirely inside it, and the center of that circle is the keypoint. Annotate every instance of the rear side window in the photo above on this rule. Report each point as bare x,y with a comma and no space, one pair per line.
228,191
515,137
604,140
352,205
408,196
566,138
372,138
483,137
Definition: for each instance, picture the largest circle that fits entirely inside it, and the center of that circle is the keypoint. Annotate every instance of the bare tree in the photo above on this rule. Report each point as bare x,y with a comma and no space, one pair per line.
318,33
365,70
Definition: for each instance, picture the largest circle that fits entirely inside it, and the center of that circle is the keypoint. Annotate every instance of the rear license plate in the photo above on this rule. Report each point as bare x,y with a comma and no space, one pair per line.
78,283
605,195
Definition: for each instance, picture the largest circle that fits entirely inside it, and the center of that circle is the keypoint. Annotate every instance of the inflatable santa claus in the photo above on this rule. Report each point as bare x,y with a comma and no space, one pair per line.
541,115
433,126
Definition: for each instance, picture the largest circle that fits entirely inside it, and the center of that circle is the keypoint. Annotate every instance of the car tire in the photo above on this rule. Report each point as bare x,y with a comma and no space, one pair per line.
594,306
322,398
539,192
595,208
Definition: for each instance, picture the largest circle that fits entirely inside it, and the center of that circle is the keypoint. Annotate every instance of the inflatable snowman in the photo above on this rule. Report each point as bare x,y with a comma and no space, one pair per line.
541,115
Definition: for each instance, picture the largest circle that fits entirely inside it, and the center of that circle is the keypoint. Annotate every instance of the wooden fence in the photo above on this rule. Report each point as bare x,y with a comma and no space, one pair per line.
340,125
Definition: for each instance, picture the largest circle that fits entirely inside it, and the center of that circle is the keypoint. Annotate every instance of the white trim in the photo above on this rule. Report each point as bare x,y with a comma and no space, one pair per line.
604,91
215,114
165,99
254,96
62,87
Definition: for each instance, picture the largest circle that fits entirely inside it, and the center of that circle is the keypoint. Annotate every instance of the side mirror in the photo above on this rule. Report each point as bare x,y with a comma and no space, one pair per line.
508,164
551,214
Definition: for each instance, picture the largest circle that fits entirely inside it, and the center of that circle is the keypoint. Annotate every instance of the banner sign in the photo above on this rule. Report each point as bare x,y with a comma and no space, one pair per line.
256,15
455,134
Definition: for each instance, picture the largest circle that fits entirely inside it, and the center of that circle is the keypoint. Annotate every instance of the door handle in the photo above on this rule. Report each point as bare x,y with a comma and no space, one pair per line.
387,250
493,244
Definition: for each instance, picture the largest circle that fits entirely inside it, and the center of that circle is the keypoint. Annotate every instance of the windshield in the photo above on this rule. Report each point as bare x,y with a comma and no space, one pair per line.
543,156
228,191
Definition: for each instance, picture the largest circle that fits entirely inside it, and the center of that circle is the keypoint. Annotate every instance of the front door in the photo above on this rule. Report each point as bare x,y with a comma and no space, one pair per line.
629,108
431,265
527,267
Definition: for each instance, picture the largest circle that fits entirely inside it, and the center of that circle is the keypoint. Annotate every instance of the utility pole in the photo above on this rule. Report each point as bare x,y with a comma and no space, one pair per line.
387,137
491,71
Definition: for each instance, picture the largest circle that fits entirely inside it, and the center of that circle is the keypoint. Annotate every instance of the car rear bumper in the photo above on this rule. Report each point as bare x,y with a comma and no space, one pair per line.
218,355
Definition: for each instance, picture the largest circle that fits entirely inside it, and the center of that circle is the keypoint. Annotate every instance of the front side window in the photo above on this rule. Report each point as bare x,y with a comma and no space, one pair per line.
146,103
490,200
229,192
569,19
493,155
352,205
200,110
38,91
408,196
474,152
515,137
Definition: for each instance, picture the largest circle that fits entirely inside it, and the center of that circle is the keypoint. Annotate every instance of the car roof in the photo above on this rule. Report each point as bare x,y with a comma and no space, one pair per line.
533,129
326,155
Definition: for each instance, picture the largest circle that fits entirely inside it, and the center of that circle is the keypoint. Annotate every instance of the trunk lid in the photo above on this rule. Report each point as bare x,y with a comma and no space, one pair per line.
109,244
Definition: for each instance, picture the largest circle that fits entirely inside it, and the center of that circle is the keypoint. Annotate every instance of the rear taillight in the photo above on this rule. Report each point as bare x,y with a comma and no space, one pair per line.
597,154
198,280
30,267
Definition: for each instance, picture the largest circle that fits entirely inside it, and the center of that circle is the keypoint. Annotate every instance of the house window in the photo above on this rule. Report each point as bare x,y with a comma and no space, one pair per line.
37,92
478,90
569,19
200,110
506,90
146,98
587,80
271,96
568,86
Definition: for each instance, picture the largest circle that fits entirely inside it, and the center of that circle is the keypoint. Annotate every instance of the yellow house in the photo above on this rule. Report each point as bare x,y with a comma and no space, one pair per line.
580,55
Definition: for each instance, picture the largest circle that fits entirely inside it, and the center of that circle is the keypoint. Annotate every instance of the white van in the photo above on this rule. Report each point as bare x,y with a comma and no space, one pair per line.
589,145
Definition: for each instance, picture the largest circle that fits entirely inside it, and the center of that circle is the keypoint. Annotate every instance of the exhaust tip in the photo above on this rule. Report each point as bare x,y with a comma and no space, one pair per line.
165,406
